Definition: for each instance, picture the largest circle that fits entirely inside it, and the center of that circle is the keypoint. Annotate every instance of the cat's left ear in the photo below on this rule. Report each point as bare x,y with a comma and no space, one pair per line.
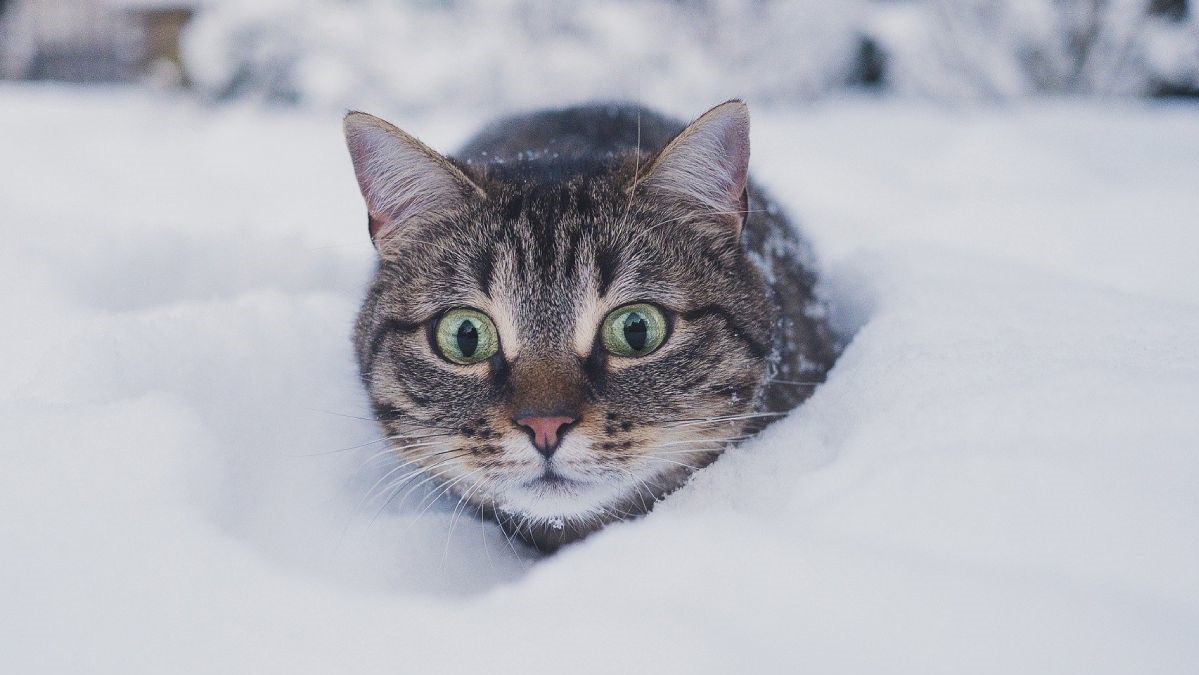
707,164
402,180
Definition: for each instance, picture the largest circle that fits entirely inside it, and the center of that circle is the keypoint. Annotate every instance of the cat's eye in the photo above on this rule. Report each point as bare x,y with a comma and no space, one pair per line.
466,336
634,330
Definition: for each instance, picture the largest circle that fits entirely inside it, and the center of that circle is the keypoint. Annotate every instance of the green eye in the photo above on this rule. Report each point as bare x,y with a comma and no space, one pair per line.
634,330
467,336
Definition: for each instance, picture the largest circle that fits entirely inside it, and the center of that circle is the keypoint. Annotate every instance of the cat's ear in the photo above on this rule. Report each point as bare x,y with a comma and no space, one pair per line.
402,179
707,164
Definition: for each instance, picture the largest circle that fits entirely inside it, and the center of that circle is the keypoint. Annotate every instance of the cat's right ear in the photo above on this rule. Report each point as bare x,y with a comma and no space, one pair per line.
707,164
402,180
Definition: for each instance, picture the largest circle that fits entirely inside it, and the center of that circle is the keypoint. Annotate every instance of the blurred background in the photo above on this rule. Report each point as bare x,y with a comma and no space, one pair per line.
504,54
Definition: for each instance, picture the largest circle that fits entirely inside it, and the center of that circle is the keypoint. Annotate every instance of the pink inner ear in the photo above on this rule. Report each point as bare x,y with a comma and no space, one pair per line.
729,130
380,229
399,178
709,161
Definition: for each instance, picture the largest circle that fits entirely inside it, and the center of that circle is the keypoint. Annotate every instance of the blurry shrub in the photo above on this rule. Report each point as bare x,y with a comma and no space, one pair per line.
991,49
522,52
514,53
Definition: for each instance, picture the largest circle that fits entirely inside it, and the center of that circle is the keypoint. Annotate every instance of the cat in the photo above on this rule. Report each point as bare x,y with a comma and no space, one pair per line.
579,309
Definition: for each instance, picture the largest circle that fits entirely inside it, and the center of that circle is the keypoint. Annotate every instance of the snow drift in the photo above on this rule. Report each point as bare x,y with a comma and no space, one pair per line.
998,476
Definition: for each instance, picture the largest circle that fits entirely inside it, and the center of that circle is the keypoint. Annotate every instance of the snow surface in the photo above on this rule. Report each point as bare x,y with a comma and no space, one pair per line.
998,477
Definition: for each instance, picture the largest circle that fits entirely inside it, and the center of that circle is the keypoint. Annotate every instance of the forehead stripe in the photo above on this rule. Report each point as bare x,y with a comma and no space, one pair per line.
608,262
483,266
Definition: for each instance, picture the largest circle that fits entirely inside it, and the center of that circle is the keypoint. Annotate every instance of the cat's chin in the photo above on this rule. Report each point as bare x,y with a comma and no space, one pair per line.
557,497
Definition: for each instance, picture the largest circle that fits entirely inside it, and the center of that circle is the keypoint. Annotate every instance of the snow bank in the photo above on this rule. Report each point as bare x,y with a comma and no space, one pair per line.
998,476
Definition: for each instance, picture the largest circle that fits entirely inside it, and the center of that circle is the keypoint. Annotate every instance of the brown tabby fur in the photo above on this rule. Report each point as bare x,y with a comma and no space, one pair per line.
558,217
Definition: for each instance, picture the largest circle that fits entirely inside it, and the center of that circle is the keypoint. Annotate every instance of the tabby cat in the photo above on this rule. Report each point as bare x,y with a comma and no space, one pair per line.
579,309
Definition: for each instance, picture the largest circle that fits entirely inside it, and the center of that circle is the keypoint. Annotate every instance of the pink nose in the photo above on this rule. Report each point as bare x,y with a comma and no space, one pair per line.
547,431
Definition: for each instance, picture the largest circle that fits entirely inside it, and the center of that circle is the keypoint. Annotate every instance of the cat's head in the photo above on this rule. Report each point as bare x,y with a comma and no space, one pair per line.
562,346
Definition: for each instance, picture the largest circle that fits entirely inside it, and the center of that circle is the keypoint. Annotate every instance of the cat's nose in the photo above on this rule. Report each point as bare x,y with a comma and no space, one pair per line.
546,431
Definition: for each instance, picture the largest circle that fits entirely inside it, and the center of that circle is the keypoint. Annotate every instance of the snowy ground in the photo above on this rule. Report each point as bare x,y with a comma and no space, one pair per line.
999,476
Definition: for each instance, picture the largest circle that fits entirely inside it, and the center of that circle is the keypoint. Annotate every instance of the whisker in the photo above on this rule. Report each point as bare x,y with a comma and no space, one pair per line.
338,450
638,483
417,424
438,495
729,418
412,437
507,537
732,439
433,474
341,414
394,487
636,175
483,536
459,509
395,451
524,520
363,445
370,494
397,484
671,461
721,447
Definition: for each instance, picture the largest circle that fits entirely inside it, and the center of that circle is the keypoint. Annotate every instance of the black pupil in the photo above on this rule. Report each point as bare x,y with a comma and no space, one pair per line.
468,338
636,332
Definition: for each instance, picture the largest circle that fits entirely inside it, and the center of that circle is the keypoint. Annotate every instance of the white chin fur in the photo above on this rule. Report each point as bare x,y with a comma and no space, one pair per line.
570,500
573,499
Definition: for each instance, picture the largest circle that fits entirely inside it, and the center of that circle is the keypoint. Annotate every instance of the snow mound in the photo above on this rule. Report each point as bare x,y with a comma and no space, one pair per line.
998,476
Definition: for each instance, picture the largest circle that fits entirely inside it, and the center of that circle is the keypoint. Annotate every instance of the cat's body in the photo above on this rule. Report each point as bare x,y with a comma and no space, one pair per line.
641,309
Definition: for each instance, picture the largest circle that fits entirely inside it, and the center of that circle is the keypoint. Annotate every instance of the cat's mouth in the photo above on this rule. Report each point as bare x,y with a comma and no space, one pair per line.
550,478
553,493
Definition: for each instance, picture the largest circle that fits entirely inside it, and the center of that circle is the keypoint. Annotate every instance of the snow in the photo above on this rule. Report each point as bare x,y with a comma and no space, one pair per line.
521,53
999,475
336,53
